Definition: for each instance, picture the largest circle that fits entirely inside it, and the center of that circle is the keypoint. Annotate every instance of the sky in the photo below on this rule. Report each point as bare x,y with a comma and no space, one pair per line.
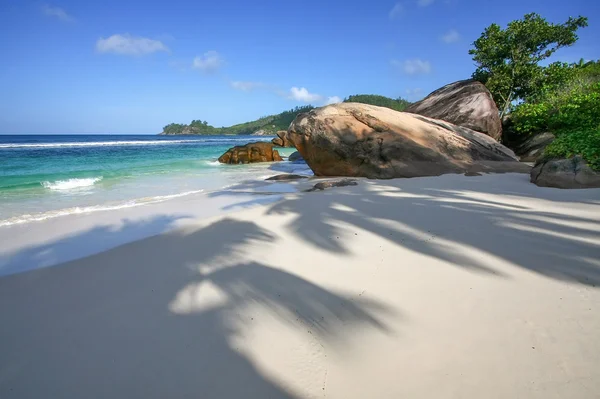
72,66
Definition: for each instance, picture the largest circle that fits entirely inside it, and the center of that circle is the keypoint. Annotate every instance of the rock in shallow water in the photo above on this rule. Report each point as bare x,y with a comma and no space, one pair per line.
465,103
565,173
352,139
251,153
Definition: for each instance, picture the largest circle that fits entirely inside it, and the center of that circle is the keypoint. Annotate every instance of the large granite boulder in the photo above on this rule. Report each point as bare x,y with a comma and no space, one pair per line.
533,147
282,139
352,139
465,103
250,153
565,173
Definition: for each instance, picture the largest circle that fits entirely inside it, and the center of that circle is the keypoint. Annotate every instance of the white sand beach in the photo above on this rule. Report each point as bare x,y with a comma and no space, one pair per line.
440,287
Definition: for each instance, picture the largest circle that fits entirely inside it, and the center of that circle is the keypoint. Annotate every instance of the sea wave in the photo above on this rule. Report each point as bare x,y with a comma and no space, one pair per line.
38,217
93,143
125,143
70,184
245,139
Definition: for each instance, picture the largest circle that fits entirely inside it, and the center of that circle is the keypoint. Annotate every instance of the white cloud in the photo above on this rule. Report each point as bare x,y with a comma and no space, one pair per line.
424,3
413,67
396,11
209,62
129,45
333,100
245,86
57,12
303,95
300,94
451,36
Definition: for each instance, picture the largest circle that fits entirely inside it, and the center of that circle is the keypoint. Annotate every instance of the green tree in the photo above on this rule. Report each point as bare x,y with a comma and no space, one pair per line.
508,59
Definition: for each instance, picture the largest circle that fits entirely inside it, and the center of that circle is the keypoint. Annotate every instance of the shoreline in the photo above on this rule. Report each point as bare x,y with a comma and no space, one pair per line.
123,224
375,290
75,174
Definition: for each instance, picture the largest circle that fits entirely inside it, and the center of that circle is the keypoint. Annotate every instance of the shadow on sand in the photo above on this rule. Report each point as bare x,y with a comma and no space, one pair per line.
78,245
446,221
114,325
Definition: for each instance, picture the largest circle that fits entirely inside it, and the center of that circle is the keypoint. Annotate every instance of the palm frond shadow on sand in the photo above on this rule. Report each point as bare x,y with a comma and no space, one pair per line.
133,321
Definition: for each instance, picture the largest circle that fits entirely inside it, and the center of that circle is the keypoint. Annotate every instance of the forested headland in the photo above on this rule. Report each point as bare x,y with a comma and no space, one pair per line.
269,125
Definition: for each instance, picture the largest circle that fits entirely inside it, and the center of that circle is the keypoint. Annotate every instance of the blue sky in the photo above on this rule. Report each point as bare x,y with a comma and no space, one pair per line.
109,66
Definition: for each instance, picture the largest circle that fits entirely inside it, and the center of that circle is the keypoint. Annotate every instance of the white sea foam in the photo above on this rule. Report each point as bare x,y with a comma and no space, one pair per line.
213,163
38,217
121,143
93,144
70,184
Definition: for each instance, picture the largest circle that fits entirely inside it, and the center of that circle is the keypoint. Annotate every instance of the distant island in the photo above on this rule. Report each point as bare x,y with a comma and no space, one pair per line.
269,125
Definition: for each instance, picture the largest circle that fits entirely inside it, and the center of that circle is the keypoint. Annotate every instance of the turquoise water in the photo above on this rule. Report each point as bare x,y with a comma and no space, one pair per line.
47,176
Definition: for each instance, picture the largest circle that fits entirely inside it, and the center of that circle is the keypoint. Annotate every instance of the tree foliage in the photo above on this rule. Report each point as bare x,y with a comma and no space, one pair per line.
398,104
571,111
508,59
584,142
573,105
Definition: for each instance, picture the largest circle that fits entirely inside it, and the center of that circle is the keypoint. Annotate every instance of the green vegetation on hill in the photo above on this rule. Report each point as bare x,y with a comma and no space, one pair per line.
398,104
272,123
560,98
268,124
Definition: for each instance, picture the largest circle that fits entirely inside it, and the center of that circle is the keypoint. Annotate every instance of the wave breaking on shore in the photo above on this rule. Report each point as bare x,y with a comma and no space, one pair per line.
71,183
38,217
125,143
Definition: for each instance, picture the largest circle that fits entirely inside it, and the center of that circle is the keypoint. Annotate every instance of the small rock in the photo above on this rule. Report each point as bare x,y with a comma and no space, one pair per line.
328,184
286,177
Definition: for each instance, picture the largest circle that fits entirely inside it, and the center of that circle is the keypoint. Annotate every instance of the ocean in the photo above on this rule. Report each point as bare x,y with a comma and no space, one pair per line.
49,176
